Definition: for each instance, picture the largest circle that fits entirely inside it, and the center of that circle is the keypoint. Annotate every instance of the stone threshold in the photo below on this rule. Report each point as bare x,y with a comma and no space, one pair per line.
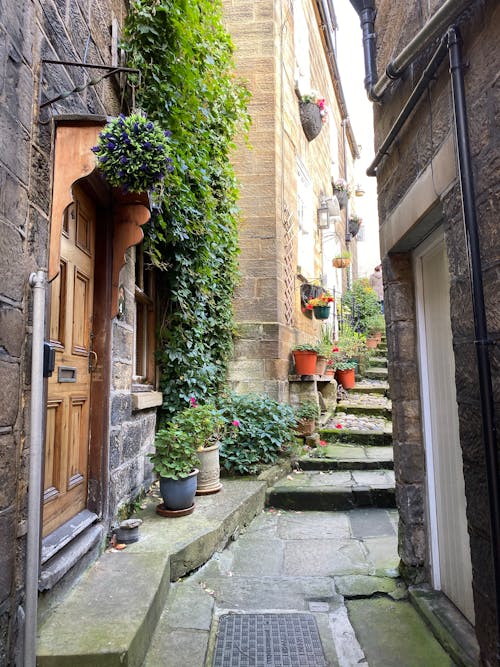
109,617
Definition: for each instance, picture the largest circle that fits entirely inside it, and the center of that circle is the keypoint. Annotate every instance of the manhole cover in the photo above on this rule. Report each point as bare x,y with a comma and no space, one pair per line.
268,640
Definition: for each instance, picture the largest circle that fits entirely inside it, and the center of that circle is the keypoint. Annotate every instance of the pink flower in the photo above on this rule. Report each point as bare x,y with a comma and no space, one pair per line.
338,425
235,422
322,443
192,401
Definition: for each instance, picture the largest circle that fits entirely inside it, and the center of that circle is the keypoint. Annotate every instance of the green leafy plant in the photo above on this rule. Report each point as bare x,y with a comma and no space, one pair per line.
132,153
313,97
258,429
345,254
189,431
341,185
306,347
185,56
325,342
324,299
361,300
344,365
307,410
375,323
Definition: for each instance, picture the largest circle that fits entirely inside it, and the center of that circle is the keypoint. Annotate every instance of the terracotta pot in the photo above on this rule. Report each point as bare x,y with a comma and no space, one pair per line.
330,371
346,378
310,119
209,475
320,365
371,342
305,362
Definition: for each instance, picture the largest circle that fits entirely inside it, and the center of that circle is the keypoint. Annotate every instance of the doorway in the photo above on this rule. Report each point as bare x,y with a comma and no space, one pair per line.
449,540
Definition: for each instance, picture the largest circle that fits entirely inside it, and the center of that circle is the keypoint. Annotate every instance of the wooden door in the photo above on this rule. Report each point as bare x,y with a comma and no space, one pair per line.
451,561
68,402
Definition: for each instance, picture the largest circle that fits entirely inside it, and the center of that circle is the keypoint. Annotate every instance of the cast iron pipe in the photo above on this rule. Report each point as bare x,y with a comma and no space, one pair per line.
366,12
408,108
480,324
37,282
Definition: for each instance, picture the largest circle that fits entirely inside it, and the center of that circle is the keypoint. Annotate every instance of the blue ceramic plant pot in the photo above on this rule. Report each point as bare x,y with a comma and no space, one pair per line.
178,494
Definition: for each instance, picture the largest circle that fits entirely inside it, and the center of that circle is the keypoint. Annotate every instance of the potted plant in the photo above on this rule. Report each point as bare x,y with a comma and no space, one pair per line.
132,153
342,191
344,373
313,113
320,305
324,345
342,260
175,460
304,357
354,224
375,325
306,415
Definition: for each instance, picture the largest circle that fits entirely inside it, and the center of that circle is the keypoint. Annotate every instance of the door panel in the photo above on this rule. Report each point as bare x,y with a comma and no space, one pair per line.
68,404
454,571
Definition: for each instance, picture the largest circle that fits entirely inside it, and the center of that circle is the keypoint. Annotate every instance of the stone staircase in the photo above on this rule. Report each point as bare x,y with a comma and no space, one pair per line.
352,467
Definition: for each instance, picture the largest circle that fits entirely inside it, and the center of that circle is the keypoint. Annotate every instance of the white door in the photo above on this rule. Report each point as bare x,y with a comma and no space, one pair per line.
450,547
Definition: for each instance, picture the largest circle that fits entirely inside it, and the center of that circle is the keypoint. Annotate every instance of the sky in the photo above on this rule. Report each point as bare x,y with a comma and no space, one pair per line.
352,73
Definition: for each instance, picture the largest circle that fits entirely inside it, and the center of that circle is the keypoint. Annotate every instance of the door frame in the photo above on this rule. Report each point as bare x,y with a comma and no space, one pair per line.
432,241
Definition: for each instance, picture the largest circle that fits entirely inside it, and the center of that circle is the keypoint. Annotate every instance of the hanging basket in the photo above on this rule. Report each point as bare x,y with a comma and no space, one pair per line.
321,312
310,117
341,262
354,226
342,197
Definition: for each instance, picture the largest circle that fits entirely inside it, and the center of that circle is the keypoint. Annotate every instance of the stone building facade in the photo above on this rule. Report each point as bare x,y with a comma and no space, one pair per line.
282,49
122,412
440,456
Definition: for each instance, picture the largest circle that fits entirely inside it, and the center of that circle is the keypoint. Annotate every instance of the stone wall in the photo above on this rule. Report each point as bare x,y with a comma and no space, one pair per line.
425,134
30,31
267,302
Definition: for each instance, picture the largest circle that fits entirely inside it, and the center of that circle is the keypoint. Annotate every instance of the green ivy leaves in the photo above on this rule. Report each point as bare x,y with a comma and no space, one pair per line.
185,57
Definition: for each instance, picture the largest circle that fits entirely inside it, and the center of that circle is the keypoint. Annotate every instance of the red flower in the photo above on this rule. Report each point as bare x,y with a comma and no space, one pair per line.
322,443
338,426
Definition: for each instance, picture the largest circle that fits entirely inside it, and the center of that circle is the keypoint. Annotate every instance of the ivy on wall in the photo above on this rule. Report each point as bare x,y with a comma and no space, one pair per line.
188,86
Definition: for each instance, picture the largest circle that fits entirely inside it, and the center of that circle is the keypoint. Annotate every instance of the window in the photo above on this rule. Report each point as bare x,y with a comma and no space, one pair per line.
307,223
301,45
144,365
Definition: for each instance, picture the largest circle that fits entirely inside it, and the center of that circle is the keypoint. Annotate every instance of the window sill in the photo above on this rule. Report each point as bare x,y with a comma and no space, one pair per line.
145,400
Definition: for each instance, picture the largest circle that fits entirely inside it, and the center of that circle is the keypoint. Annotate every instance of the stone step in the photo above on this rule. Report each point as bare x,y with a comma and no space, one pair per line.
110,616
374,373
378,362
347,457
378,438
337,490
370,387
368,410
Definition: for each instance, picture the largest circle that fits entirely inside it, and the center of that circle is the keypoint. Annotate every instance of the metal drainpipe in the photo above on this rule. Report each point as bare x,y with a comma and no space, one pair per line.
482,341
37,282
409,107
434,27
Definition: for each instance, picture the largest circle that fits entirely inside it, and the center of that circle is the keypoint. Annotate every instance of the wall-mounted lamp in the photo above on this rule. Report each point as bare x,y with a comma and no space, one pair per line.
358,190
323,214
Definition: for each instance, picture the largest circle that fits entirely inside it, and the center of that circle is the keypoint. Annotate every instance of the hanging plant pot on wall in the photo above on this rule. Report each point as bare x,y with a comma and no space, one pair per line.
321,312
310,117
341,262
342,197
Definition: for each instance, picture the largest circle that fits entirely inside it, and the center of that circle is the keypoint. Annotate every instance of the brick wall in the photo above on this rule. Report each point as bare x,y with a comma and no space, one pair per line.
422,138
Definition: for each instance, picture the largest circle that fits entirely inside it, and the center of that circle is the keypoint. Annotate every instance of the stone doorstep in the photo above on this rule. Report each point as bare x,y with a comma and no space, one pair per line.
311,463
373,438
449,626
368,410
109,617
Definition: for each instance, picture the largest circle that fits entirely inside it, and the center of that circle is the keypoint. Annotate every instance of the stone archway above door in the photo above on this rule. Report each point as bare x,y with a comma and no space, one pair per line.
74,161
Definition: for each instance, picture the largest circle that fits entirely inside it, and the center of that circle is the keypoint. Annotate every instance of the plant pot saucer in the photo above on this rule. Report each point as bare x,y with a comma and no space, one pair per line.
207,492
163,511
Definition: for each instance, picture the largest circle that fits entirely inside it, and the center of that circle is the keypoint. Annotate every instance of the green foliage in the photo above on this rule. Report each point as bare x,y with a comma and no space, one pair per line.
350,343
345,365
185,57
189,431
306,347
375,323
325,342
257,431
132,152
307,410
365,302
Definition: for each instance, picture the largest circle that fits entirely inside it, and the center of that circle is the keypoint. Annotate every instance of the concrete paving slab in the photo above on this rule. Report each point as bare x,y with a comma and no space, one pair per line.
178,648
392,634
188,606
359,585
371,523
383,556
310,525
325,558
257,556
373,478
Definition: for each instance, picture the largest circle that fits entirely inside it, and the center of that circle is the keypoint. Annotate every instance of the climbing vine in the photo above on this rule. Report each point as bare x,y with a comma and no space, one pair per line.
188,86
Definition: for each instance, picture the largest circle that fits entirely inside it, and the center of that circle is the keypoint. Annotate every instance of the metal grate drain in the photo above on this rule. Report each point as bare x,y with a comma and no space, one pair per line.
268,640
